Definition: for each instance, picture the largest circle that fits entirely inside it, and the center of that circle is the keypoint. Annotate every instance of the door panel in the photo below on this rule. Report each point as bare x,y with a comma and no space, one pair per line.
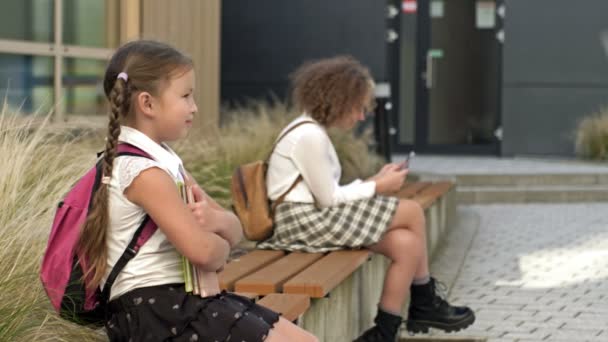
456,78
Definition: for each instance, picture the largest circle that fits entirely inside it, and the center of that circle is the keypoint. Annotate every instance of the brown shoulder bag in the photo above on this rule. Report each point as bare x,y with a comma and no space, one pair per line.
249,197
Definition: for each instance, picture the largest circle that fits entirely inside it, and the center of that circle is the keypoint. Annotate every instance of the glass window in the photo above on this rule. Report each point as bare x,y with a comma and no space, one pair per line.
30,20
91,23
28,82
83,86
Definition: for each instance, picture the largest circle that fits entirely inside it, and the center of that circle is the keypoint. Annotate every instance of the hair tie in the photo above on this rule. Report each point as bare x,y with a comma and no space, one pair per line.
123,75
105,180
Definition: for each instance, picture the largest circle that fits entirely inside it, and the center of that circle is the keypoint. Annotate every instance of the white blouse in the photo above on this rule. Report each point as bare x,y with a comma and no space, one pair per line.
307,150
157,262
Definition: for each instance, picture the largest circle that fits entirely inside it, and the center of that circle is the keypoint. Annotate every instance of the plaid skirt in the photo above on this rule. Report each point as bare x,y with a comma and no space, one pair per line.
303,227
168,313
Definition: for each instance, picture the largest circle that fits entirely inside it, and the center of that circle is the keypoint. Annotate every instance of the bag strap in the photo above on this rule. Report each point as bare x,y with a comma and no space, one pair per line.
299,179
276,142
142,234
282,197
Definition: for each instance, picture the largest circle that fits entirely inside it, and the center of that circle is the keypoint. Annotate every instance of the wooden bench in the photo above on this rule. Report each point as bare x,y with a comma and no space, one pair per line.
286,282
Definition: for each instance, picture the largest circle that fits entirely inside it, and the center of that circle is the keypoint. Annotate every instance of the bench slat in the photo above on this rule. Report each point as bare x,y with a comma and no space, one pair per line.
322,276
245,265
411,189
291,306
270,279
430,194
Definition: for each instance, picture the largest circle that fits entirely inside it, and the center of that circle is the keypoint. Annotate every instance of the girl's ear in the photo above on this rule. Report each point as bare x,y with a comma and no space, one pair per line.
145,103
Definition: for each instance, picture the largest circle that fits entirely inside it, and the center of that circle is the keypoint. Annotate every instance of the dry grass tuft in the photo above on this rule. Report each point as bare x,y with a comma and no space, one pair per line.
592,136
34,176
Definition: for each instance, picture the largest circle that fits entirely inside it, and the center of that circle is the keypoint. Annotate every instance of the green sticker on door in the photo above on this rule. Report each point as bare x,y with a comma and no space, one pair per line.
435,53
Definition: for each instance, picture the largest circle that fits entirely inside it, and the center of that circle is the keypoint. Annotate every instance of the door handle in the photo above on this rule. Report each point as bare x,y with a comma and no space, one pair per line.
429,76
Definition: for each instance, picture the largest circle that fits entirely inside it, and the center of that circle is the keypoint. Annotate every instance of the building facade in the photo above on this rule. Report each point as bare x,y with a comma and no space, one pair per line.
495,77
53,53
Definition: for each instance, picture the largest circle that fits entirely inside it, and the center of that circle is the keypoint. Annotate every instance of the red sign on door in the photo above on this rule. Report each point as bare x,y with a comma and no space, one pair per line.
409,6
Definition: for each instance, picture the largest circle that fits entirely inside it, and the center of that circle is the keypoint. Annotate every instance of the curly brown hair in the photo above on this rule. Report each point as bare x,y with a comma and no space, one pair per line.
329,89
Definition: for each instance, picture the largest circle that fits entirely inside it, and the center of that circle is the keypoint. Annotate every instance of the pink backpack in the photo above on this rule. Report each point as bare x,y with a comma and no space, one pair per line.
62,268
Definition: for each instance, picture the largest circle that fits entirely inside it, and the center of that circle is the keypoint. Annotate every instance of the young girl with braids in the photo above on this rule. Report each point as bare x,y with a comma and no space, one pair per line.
150,88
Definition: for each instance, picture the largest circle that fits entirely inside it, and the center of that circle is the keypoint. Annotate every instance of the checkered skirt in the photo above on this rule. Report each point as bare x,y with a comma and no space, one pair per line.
304,227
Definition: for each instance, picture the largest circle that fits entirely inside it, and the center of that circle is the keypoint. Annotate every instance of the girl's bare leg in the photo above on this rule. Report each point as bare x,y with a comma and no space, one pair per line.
405,245
404,249
410,216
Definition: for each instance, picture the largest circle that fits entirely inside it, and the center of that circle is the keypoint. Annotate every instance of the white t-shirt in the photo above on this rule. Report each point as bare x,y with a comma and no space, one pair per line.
307,150
157,262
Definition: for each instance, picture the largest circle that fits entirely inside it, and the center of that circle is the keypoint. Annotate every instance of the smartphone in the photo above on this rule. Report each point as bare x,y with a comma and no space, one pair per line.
408,160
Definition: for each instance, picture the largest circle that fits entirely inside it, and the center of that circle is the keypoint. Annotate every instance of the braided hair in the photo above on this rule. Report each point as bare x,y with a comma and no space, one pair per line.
141,65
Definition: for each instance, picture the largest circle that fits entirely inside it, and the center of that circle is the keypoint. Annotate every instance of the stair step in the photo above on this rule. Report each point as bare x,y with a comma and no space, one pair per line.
533,179
536,193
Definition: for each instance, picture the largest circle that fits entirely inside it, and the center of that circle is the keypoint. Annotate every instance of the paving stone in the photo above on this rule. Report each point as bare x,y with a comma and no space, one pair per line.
575,335
535,272
538,336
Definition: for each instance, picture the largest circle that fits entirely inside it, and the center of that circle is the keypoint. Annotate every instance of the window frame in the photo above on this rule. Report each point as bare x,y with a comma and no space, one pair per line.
128,24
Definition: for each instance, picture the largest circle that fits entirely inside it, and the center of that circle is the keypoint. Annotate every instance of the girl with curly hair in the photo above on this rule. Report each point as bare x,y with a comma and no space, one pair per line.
318,214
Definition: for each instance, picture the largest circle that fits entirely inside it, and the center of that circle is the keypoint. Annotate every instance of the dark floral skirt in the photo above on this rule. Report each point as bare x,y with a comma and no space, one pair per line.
168,313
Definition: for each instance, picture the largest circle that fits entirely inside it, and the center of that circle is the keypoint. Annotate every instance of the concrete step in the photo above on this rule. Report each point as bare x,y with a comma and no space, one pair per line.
559,179
531,193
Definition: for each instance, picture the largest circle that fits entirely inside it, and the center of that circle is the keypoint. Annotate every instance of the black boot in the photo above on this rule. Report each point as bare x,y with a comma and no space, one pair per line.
385,330
428,310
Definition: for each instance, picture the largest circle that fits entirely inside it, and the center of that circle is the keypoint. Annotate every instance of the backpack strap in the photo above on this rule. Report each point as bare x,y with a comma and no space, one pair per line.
282,197
299,179
276,142
143,232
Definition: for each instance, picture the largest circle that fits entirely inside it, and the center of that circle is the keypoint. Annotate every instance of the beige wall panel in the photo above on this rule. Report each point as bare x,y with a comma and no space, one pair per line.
130,20
193,26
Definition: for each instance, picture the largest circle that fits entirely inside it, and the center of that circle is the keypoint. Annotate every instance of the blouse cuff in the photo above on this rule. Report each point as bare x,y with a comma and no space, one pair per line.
360,189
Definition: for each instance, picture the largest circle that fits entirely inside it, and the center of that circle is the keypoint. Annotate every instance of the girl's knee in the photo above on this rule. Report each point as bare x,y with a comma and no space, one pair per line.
404,244
414,209
409,214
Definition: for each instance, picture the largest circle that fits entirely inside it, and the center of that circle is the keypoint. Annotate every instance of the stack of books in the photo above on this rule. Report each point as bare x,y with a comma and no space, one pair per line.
197,281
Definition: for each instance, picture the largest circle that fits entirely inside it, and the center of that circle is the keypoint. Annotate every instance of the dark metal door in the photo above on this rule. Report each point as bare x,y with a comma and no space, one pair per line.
449,89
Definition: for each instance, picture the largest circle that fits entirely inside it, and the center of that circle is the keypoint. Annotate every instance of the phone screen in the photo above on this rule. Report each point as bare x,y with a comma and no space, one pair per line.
408,160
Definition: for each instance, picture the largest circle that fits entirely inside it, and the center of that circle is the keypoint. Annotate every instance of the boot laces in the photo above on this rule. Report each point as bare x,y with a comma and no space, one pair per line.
441,292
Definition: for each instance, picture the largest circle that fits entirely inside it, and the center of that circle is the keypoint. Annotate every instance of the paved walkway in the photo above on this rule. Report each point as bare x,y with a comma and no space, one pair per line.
532,272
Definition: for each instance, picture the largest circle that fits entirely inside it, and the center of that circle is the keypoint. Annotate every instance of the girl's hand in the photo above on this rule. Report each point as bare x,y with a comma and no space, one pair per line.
201,209
202,213
386,168
198,193
214,218
390,181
